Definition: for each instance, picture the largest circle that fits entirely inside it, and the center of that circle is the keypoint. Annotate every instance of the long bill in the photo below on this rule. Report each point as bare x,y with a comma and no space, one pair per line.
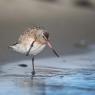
54,51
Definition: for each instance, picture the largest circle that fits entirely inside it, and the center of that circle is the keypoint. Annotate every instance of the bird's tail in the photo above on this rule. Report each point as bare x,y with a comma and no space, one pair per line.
12,46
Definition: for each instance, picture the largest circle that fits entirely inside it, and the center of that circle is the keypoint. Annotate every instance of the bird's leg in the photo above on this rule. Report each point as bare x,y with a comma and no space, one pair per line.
33,69
30,48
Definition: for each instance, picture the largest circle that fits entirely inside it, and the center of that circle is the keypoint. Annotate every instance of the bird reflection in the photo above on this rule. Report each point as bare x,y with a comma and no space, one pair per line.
39,86
32,86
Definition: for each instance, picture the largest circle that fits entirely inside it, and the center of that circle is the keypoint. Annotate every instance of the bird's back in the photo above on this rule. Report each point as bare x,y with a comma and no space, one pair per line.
27,37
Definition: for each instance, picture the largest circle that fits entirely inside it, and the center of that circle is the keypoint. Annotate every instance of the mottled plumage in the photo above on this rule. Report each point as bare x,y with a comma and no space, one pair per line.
26,39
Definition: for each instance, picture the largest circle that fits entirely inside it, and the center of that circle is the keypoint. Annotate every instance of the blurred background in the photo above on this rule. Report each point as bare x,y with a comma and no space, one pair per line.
71,24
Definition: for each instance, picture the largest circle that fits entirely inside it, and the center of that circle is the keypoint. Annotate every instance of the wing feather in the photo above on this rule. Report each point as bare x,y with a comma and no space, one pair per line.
27,36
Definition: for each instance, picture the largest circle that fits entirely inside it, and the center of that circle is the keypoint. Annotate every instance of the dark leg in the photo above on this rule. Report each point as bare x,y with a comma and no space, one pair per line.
30,48
33,71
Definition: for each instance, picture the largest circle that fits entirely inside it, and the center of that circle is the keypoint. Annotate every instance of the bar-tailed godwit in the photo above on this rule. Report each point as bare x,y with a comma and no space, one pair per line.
32,42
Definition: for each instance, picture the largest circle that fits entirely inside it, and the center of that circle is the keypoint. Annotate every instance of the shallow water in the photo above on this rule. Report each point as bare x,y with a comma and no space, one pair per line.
66,82
67,75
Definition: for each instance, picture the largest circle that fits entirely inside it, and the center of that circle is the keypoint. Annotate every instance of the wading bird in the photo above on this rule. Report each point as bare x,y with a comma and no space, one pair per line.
32,42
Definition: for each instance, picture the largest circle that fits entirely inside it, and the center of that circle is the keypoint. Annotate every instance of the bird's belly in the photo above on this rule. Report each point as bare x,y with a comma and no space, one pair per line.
37,48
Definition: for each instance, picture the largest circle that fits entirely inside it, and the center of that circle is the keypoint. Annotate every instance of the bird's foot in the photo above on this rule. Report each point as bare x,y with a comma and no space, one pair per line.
33,73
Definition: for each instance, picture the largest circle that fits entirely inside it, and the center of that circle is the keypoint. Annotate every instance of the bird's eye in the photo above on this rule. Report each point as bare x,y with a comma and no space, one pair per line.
45,35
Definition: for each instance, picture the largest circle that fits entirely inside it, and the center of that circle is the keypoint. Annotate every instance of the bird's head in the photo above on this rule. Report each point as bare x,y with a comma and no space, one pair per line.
43,37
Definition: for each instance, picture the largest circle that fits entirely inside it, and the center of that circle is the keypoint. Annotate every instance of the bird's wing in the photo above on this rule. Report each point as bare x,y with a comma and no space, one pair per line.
27,35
